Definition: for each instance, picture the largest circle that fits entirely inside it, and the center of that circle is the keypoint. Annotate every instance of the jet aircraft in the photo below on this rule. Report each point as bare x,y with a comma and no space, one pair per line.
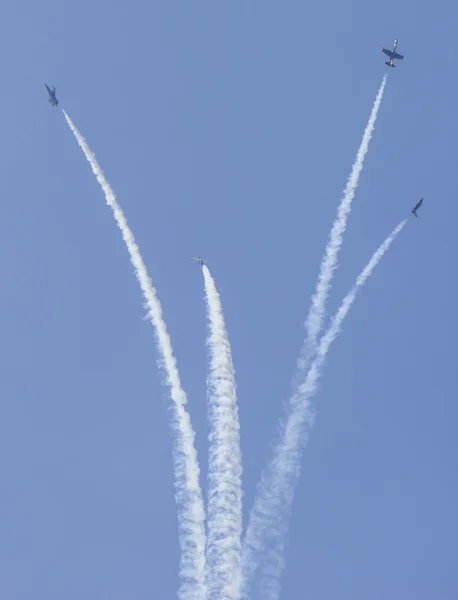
416,207
392,54
199,259
52,95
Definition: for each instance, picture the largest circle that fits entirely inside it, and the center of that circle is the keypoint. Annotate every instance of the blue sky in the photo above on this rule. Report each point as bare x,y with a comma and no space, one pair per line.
227,129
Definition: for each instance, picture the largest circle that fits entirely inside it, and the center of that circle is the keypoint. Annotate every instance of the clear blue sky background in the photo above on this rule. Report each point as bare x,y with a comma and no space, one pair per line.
227,130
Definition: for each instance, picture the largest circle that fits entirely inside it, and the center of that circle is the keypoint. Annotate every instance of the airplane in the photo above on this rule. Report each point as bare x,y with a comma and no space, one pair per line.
52,95
199,259
393,55
416,207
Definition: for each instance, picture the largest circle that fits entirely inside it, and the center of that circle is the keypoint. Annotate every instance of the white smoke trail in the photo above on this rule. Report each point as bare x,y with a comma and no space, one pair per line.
314,322
224,510
191,511
268,519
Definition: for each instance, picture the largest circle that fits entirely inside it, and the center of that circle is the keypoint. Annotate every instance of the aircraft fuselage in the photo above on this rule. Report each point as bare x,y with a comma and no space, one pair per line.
392,54
52,96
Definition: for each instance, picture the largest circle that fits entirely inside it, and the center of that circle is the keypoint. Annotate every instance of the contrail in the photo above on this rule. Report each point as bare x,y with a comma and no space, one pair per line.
315,317
268,519
191,511
224,510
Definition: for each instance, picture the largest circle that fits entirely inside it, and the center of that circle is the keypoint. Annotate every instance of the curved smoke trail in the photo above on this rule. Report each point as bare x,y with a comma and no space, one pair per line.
268,519
191,511
314,324
315,317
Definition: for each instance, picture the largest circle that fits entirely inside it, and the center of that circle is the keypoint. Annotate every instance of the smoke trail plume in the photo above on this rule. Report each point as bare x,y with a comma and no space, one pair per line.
191,512
314,322
224,510
264,539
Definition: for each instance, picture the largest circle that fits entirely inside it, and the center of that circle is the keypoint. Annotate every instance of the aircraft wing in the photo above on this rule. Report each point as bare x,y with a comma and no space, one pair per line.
49,91
397,56
389,53
416,207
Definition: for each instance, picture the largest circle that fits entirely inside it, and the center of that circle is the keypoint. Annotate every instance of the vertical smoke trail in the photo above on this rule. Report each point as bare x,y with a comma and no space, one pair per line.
191,512
224,510
268,519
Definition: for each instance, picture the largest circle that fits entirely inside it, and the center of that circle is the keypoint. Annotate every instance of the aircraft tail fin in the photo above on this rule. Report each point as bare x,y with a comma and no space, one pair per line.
414,213
390,64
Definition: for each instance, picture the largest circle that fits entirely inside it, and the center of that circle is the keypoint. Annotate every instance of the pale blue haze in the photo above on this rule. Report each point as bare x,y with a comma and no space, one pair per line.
227,130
